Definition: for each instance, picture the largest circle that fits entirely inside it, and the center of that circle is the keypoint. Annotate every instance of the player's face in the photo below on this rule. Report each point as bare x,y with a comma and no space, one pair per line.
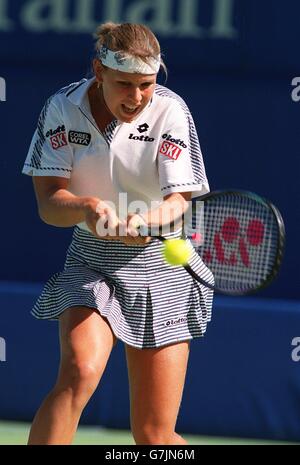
127,94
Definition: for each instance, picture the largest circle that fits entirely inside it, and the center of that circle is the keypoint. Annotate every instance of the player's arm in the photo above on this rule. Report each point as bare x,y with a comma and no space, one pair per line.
172,208
59,207
168,214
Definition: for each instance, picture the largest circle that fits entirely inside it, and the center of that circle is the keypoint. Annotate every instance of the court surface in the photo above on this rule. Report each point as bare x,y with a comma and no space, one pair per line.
12,433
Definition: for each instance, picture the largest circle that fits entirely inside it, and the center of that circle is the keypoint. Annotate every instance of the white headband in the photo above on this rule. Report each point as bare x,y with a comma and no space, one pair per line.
127,63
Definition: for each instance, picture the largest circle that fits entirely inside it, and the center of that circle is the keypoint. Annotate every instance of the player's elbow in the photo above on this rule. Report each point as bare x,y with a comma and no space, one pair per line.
47,210
45,215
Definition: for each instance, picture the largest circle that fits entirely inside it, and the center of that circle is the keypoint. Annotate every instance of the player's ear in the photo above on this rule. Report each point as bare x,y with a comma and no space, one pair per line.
98,69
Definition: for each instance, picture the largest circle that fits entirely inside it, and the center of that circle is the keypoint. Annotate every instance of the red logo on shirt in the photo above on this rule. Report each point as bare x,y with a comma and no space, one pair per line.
59,140
170,150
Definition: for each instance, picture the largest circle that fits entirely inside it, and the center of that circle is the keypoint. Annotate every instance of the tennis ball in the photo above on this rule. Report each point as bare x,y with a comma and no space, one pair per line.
176,251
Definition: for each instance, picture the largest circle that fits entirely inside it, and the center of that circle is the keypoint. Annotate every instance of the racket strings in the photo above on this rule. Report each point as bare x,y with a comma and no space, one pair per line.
237,237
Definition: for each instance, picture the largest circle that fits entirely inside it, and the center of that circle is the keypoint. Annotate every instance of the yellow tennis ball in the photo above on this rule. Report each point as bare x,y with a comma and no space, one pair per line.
176,251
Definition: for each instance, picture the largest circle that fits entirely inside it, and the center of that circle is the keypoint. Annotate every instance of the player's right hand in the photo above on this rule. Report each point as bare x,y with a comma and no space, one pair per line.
101,219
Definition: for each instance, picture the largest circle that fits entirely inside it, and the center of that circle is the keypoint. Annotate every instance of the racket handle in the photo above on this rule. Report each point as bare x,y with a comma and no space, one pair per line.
144,230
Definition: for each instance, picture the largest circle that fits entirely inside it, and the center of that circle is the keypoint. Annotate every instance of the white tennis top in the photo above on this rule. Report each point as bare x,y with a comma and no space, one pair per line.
129,164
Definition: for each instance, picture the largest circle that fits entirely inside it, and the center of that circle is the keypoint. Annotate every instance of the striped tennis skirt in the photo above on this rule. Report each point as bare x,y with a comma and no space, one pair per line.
147,302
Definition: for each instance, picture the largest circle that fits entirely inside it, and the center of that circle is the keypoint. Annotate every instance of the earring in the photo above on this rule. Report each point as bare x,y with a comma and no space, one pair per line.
98,85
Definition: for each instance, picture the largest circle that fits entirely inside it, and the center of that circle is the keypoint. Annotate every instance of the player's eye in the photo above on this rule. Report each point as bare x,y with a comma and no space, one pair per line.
146,85
123,83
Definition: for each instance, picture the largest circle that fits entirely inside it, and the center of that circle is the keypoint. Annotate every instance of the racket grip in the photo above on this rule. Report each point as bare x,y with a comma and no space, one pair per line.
144,230
151,231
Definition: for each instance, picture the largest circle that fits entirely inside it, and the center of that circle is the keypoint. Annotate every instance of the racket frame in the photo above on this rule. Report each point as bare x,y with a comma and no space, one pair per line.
280,246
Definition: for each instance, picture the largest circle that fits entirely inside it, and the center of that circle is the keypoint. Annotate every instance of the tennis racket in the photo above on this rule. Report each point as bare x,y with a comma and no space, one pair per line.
239,235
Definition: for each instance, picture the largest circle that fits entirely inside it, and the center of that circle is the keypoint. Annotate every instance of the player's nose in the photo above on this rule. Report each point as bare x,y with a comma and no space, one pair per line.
135,95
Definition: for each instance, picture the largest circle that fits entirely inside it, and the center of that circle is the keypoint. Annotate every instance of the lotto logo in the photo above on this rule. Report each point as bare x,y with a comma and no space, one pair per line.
177,321
170,150
59,140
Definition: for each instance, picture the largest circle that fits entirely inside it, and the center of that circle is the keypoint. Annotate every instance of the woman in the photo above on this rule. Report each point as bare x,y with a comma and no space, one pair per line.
104,150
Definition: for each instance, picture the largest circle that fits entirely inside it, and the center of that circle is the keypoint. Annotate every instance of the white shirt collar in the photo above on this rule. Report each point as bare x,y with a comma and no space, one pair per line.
78,94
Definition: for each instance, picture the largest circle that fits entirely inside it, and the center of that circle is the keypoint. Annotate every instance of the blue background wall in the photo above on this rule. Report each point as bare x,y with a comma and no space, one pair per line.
233,62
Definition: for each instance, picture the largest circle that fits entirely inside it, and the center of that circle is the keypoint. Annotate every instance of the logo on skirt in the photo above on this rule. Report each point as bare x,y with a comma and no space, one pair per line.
176,321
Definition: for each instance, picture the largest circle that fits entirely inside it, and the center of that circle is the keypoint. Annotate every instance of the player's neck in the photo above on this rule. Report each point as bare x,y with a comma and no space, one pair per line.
101,113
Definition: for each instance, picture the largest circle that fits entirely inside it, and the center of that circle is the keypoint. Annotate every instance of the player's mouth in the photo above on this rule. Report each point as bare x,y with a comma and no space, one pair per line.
130,110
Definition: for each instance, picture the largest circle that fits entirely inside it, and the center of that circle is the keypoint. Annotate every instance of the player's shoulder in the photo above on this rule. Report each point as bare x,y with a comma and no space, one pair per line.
167,97
61,97
171,104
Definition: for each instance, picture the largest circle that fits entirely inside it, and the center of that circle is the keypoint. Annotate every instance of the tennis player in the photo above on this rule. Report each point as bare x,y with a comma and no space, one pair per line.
116,136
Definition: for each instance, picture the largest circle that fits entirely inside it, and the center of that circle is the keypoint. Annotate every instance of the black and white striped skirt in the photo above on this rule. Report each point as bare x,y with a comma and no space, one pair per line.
147,302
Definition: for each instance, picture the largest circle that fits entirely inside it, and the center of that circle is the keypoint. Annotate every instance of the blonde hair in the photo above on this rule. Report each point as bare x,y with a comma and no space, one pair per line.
136,39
